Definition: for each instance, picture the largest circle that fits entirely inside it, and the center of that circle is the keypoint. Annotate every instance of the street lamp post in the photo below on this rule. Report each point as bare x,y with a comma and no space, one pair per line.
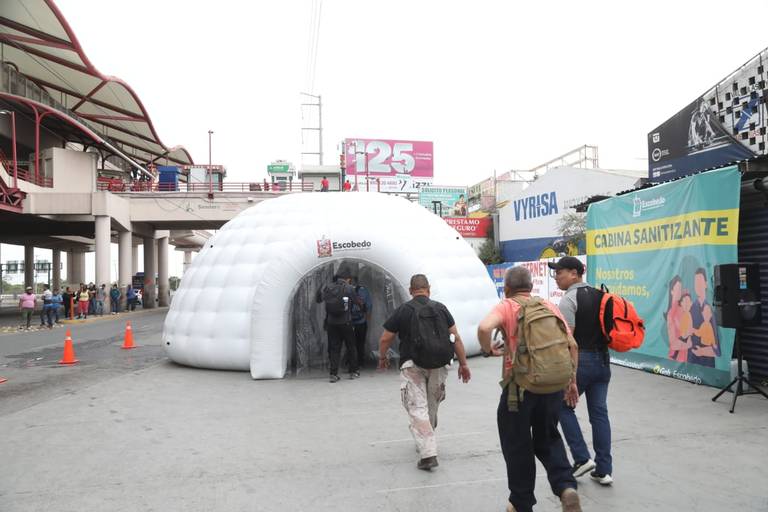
13,136
210,167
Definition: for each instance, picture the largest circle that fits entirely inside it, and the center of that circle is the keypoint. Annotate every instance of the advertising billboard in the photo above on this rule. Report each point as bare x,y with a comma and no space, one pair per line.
530,226
472,227
725,125
658,248
444,201
389,165
544,284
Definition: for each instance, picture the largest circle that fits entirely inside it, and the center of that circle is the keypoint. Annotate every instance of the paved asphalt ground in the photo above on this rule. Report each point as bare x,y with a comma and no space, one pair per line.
130,431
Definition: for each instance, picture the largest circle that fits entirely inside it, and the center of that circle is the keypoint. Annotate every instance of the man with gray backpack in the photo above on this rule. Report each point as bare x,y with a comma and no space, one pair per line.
424,327
338,298
539,371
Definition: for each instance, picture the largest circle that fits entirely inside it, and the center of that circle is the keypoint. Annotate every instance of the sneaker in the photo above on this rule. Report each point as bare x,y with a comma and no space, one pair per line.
569,499
601,479
334,378
427,463
354,375
582,468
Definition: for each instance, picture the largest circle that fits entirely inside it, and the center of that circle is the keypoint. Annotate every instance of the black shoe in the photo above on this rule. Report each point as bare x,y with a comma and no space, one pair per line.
334,378
582,468
354,375
427,463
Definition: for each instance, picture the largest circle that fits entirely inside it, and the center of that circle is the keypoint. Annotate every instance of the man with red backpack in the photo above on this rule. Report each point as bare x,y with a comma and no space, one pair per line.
580,307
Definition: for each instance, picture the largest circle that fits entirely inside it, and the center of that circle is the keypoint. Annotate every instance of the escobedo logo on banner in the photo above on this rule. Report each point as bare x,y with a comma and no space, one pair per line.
640,205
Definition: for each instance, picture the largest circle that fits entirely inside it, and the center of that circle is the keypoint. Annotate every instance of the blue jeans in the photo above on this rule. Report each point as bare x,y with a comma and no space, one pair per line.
592,379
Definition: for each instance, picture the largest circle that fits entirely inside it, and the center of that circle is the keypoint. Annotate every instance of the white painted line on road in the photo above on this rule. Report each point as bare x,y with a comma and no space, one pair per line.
437,486
410,439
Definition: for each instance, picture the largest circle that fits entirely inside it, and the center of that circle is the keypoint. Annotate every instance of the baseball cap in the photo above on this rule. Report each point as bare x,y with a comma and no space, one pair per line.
568,262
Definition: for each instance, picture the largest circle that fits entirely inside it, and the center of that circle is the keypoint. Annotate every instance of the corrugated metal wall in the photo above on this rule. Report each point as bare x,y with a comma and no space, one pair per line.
753,248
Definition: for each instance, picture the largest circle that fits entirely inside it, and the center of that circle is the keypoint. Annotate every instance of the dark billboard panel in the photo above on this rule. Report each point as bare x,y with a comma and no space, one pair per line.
725,125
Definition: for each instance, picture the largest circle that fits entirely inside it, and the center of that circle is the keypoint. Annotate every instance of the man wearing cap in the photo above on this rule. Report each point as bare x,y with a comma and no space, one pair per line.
27,306
580,307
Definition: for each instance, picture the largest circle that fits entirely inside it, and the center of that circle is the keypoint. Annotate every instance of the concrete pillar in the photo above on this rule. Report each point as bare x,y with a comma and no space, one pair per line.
103,246
29,265
78,268
56,270
70,261
134,260
150,253
162,272
124,264
187,261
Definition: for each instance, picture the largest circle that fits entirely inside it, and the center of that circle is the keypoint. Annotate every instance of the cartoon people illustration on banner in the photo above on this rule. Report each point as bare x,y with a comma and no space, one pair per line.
691,326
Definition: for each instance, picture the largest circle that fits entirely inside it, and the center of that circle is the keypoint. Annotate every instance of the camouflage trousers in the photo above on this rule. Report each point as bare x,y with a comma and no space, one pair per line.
421,392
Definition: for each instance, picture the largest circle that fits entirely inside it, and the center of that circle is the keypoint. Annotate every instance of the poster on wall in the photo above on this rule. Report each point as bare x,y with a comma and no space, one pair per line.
544,284
658,248
444,201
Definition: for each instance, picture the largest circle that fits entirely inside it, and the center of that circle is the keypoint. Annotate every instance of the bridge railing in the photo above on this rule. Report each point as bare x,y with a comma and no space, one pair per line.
118,185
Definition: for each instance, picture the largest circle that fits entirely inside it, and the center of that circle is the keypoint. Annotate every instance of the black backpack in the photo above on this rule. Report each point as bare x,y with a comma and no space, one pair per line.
430,339
333,296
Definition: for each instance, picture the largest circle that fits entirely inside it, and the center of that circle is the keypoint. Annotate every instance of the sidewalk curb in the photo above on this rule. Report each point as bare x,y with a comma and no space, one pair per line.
8,330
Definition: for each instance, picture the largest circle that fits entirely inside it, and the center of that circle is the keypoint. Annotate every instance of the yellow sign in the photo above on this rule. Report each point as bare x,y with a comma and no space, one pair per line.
704,227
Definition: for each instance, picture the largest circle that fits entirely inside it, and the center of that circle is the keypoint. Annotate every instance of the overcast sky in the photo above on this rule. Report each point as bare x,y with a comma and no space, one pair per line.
495,84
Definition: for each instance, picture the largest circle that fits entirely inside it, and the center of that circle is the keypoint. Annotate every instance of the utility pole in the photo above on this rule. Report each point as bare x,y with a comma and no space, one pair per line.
318,128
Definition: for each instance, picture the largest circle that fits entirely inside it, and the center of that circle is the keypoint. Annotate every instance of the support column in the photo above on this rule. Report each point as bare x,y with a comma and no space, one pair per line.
56,271
187,261
70,269
103,245
134,260
162,272
124,264
150,253
29,266
78,268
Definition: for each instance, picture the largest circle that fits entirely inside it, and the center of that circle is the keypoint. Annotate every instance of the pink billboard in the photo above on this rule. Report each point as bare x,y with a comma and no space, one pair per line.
379,158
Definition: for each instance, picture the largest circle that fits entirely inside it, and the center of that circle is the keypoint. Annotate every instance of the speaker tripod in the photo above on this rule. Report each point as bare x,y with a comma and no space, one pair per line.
741,381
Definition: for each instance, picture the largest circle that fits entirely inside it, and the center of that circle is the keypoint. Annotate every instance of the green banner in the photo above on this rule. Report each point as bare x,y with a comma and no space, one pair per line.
452,200
657,247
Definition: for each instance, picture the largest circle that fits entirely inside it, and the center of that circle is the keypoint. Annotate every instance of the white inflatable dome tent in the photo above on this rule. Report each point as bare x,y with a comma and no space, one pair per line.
232,310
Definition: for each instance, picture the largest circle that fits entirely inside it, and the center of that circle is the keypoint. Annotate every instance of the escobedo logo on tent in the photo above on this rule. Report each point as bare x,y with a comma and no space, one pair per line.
324,248
640,205
351,245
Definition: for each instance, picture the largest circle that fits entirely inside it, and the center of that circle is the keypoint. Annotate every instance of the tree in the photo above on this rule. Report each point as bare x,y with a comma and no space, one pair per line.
489,253
573,227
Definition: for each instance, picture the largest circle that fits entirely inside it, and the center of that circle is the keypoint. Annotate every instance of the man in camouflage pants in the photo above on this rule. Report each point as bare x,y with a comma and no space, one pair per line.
421,389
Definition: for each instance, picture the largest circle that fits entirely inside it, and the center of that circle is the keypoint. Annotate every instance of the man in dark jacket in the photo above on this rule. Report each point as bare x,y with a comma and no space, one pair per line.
339,297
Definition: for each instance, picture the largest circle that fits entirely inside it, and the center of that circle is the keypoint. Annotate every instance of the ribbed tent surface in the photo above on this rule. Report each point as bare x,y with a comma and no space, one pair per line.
232,310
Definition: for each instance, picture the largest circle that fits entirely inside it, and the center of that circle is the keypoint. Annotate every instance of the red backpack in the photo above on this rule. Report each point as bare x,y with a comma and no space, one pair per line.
622,326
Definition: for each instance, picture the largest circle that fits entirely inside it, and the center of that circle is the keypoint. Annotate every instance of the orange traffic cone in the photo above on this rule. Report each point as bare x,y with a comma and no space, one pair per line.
128,343
69,350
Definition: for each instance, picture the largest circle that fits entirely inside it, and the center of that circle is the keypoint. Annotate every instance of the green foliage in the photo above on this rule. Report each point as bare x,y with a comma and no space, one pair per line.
489,253
573,227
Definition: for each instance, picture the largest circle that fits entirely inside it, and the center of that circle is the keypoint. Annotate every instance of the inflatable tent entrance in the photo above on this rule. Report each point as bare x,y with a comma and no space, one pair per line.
233,308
